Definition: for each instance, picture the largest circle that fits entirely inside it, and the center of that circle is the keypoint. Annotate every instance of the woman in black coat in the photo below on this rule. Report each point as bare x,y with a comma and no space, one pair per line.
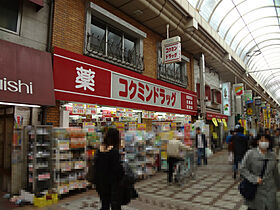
108,171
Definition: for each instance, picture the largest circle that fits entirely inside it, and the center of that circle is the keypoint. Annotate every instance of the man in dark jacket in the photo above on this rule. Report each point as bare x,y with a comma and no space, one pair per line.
201,145
240,147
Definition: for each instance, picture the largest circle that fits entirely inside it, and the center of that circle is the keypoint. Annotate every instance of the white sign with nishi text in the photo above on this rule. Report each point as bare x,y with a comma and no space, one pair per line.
171,50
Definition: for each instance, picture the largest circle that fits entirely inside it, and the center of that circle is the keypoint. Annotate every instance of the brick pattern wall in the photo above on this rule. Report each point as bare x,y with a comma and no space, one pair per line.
68,25
53,115
69,33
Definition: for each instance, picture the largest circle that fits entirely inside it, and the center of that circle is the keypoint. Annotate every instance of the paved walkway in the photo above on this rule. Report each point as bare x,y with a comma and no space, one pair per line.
213,188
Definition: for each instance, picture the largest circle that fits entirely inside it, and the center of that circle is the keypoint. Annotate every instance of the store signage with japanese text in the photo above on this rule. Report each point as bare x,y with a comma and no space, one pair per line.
84,79
226,99
258,101
210,116
171,50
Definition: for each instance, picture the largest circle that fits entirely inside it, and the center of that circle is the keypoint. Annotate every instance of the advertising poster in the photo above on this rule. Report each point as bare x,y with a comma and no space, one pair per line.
238,89
91,109
226,99
248,96
79,109
187,134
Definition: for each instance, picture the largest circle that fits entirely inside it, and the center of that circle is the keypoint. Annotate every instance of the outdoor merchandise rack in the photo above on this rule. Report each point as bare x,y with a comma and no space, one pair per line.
39,153
69,159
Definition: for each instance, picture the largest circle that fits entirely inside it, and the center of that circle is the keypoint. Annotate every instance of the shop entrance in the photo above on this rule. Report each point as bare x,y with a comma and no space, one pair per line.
6,136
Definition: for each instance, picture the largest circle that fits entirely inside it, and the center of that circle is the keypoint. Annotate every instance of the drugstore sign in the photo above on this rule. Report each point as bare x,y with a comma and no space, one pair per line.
80,78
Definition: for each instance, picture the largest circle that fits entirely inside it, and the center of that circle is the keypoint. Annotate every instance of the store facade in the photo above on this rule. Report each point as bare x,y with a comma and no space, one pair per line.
217,125
26,84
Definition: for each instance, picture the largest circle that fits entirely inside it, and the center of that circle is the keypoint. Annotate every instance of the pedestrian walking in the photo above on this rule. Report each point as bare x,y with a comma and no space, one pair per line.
108,171
174,149
277,142
230,147
240,147
201,145
257,162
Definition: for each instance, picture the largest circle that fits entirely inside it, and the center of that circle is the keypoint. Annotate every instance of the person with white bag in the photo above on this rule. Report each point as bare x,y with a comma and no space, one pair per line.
201,145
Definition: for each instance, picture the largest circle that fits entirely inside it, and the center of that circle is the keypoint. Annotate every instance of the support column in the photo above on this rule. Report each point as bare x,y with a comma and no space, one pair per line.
202,86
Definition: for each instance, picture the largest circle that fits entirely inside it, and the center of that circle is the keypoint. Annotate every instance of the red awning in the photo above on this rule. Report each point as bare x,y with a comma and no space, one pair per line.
210,115
38,2
25,75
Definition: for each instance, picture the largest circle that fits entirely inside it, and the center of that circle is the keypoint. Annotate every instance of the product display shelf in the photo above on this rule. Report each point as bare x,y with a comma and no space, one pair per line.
39,158
70,160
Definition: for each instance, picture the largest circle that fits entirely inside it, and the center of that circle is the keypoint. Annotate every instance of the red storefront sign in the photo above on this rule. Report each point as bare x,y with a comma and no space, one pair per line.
84,79
210,115
26,75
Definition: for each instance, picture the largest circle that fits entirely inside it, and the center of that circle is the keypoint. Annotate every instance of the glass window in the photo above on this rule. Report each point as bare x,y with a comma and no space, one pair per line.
98,31
9,12
115,43
129,49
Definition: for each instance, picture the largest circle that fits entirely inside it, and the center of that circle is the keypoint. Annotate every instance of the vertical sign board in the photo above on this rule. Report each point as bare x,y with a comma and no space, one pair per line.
226,99
171,50
238,89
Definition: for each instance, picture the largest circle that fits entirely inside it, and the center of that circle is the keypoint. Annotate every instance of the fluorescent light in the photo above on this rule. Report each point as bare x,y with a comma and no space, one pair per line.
14,104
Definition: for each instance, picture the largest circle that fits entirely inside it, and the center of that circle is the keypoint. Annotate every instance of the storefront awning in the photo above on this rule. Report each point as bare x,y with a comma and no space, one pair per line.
40,3
25,75
121,88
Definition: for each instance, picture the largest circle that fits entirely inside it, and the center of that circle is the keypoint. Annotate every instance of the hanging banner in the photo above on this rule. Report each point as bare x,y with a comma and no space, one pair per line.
215,122
226,99
250,111
248,96
225,123
238,89
171,50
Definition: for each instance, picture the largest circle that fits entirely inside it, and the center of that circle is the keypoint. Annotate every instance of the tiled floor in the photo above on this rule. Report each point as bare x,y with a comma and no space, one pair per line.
212,189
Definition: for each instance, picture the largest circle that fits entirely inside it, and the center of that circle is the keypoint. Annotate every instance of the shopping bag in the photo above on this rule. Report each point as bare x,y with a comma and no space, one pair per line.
208,152
230,157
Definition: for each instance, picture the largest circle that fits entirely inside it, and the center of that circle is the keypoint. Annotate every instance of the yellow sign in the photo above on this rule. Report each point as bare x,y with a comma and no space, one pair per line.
173,125
215,136
219,120
141,126
249,111
214,120
225,123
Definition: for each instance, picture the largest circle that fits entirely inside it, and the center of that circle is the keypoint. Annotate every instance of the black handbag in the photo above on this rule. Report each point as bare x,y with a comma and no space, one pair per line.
247,189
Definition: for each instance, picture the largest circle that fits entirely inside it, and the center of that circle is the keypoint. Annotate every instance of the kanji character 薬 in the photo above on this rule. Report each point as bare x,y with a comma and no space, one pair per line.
155,94
85,79
173,99
125,92
162,95
134,91
141,91
150,95
168,98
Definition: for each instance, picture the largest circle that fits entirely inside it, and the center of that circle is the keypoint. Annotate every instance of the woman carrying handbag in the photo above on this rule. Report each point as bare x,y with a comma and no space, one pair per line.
259,170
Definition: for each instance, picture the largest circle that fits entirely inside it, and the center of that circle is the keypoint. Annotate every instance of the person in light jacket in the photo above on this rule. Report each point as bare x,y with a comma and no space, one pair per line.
174,149
251,168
